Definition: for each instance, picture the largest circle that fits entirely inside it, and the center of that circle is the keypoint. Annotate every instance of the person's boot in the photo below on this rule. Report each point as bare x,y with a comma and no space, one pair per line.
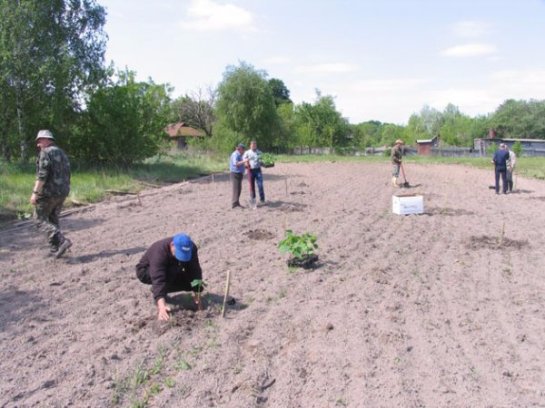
63,247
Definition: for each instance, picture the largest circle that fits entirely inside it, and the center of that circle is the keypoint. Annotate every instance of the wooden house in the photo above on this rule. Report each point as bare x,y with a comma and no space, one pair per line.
180,132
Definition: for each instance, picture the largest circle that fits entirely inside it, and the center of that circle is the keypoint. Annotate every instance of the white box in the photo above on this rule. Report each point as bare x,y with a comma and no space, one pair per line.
407,204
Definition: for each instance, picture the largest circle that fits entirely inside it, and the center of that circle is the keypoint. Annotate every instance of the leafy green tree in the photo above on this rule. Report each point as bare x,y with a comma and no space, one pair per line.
288,126
51,54
320,124
390,133
517,148
124,122
280,92
367,134
246,105
520,119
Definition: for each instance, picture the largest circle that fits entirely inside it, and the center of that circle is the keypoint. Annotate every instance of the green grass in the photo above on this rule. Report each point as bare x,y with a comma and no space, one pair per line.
93,185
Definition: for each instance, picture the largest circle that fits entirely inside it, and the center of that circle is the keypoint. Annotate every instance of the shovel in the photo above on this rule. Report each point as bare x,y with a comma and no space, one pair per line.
405,182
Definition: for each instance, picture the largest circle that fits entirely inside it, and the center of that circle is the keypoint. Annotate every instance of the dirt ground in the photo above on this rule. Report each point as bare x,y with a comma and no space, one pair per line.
443,309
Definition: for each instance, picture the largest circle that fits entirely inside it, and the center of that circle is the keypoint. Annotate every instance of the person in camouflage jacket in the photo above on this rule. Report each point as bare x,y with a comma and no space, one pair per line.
51,188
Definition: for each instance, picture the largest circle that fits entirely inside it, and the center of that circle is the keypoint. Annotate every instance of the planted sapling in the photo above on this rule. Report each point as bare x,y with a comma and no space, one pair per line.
301,248
199,284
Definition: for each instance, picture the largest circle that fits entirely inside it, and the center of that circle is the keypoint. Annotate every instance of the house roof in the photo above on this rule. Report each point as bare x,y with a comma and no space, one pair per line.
421,141
181,129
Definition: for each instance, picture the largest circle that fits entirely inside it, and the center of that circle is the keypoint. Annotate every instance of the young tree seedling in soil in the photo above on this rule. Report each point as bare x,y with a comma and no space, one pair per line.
200,285
300,247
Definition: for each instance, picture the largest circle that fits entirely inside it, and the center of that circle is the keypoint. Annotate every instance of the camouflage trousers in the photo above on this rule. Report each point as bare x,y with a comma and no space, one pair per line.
47,218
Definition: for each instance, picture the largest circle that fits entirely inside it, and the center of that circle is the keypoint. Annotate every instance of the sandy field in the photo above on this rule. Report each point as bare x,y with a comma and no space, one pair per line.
443,309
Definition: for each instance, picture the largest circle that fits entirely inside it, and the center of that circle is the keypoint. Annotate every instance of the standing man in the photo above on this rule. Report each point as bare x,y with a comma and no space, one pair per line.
500,167
253,163
236,167
51,188
511,168
396,155
170,265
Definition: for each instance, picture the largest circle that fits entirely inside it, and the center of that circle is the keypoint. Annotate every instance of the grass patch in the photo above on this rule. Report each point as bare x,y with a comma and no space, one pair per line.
90,185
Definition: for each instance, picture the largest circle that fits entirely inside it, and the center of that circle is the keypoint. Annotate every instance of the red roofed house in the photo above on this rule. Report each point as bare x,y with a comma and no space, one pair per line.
179,132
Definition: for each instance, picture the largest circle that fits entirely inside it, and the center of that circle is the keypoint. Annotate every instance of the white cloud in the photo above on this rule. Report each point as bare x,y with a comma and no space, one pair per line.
471,29
331,68
469,50
209,15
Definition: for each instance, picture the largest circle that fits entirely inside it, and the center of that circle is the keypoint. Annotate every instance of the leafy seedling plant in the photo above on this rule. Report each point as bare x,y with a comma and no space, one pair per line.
199,284
267,160
301,248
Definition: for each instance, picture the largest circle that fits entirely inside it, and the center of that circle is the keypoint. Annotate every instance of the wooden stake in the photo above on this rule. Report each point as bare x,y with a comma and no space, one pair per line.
286,181
227,286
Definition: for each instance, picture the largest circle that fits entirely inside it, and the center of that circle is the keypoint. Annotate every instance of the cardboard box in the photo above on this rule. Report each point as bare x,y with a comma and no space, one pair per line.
407,204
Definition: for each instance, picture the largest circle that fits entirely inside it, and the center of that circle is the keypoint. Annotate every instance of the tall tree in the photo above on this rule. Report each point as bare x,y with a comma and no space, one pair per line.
281,93
520,119
246,105
124,123
51,53
320,124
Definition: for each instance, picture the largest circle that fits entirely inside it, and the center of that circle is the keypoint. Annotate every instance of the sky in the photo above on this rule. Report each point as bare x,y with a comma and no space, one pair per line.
380,59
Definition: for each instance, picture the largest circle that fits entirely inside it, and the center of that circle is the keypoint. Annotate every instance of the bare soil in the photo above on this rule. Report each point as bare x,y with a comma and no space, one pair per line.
443,309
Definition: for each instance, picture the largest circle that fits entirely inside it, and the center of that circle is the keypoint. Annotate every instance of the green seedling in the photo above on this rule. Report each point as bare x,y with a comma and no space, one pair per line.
267,160
169,382
199,284
298,246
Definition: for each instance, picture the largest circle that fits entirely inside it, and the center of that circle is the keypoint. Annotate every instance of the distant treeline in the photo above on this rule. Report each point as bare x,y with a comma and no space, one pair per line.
53,75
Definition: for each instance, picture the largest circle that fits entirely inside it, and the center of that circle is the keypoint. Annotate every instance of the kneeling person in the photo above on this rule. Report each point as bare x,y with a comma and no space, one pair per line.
169,265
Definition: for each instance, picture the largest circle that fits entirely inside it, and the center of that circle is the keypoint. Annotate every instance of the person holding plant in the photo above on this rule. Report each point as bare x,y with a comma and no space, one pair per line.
510,168
170,265
51,188
396,156
252,158
236,168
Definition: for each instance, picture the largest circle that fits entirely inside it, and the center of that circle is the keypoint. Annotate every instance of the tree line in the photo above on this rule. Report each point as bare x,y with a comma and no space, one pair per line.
53,75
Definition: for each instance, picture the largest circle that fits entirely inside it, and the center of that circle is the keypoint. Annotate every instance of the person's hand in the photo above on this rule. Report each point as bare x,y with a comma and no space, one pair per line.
33,198
163,310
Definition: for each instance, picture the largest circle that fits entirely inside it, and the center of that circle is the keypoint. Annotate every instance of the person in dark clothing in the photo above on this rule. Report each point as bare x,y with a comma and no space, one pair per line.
236,170
500,159
169,265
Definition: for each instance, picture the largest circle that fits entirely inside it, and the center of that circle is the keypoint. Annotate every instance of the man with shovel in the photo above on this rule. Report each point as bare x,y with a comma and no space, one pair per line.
396,155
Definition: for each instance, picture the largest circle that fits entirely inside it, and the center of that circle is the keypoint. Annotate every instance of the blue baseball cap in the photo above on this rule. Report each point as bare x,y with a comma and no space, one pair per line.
182,247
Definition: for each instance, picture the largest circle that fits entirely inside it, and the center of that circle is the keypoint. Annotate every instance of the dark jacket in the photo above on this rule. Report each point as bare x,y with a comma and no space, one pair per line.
165,272
500,159
396,154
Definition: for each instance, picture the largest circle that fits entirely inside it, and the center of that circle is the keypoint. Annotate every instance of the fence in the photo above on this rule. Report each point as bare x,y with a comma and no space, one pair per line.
450,151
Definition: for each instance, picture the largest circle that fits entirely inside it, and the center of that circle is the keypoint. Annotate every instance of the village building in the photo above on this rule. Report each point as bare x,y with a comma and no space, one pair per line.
180,132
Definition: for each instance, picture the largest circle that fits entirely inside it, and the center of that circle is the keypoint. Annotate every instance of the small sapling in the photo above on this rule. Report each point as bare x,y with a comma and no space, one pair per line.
301,248
199,284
